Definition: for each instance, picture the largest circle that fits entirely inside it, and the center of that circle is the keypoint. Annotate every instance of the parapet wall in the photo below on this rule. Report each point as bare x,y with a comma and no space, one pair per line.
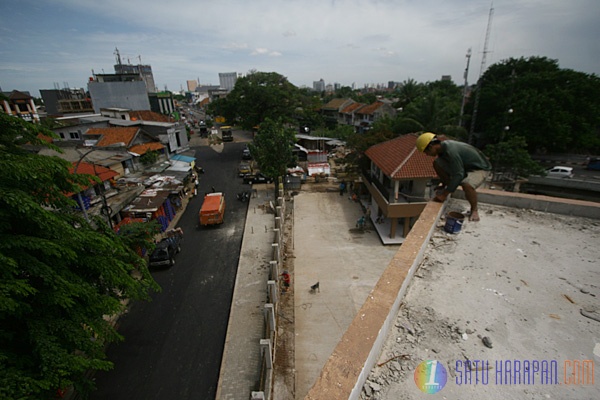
554,205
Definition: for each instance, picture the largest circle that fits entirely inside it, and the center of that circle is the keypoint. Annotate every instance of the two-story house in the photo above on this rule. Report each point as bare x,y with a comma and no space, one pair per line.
365,116
20,104
399,181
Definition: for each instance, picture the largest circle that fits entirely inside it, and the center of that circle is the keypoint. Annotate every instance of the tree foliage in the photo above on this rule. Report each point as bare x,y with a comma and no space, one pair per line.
272,148
256,97
511,156
437,105
59,276
553,109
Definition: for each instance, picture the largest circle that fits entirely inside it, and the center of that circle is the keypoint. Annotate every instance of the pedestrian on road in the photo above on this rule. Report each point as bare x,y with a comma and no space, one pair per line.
457,164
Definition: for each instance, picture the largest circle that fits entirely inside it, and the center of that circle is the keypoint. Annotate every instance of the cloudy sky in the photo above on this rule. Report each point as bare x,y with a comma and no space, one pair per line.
48,43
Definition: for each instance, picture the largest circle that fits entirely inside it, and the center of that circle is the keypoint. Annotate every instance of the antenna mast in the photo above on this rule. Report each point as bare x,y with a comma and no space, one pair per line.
465,89
483,60
116,53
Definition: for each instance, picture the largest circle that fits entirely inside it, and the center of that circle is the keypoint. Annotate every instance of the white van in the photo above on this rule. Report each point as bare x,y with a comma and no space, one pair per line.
560,172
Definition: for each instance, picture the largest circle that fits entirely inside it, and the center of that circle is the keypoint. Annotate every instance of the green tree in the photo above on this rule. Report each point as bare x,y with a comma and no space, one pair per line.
381,131
555,110
150,157
511,156
438,105
409,91
272,148
309,111
342,132
59,276
256,97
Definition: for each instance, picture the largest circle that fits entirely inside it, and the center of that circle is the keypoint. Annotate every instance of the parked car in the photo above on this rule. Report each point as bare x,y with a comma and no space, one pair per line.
244,168
560,172
164,253
257,178
246,154
593,164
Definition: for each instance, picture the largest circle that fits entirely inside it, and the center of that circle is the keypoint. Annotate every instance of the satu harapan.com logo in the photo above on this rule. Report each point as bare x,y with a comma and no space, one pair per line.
431,376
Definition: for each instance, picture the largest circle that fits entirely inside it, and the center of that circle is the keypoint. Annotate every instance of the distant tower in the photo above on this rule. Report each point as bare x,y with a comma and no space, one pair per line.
481,71
465,89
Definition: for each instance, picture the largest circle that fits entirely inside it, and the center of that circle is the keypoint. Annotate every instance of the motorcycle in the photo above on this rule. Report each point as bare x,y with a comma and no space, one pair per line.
243,196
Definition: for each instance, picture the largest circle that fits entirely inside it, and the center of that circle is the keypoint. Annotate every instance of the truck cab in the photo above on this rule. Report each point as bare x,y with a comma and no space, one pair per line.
226,134
212,211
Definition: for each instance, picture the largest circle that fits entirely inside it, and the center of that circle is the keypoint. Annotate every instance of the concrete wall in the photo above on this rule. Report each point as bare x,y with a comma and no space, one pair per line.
131,95
555,205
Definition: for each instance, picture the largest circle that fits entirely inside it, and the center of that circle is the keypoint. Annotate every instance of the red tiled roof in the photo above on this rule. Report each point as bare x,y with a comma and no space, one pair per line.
399,159
91,169
352,107
18,95
114,135
145,147
146,115
334,104
371,108
45,138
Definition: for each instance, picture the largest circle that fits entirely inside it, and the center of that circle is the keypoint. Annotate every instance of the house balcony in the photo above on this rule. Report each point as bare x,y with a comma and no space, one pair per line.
401,212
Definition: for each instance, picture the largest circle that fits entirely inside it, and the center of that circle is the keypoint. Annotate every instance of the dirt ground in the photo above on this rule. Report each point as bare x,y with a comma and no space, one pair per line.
527,284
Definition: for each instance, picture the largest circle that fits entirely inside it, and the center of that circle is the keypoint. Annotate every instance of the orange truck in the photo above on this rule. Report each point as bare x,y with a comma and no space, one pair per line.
212,210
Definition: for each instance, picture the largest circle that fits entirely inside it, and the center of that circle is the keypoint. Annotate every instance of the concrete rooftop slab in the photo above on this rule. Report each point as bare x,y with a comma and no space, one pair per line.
518,277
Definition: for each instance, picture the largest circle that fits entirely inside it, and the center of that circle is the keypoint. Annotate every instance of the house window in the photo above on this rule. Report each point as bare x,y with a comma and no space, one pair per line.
74,135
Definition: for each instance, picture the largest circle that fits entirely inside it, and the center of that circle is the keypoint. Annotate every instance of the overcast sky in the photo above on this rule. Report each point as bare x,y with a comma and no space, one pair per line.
44,43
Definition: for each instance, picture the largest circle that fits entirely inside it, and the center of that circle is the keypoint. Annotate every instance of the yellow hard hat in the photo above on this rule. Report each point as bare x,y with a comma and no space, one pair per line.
424,140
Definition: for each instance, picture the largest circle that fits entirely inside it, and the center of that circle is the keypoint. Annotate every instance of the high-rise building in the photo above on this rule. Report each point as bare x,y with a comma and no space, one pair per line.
145,71
227,80
319,86
192,85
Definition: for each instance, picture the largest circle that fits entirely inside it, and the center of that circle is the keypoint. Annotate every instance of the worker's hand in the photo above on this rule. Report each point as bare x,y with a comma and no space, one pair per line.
441,197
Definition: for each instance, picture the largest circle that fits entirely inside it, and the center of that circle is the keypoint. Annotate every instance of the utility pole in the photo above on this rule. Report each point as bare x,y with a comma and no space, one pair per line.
465,89
483,60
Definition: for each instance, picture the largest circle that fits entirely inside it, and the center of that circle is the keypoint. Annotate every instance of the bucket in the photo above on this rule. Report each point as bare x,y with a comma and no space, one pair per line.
454,221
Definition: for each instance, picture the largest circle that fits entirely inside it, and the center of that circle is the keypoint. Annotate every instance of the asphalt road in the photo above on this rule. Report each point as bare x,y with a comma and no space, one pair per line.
174,344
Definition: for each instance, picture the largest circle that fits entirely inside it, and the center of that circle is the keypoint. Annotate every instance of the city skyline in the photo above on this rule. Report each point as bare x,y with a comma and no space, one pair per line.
360,42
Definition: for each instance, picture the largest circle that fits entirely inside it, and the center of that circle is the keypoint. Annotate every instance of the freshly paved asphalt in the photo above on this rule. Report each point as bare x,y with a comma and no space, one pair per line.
174,344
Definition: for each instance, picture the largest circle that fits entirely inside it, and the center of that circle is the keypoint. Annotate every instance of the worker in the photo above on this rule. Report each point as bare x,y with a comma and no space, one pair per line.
457,164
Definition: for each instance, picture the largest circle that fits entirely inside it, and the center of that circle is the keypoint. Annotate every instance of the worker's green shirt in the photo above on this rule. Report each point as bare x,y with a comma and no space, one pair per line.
461,158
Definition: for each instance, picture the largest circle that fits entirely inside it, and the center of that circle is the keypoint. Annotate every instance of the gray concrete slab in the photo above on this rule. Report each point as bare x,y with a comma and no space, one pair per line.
518,277
347,263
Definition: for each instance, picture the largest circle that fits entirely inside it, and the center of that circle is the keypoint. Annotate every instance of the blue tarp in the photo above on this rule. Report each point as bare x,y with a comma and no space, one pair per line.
187,159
